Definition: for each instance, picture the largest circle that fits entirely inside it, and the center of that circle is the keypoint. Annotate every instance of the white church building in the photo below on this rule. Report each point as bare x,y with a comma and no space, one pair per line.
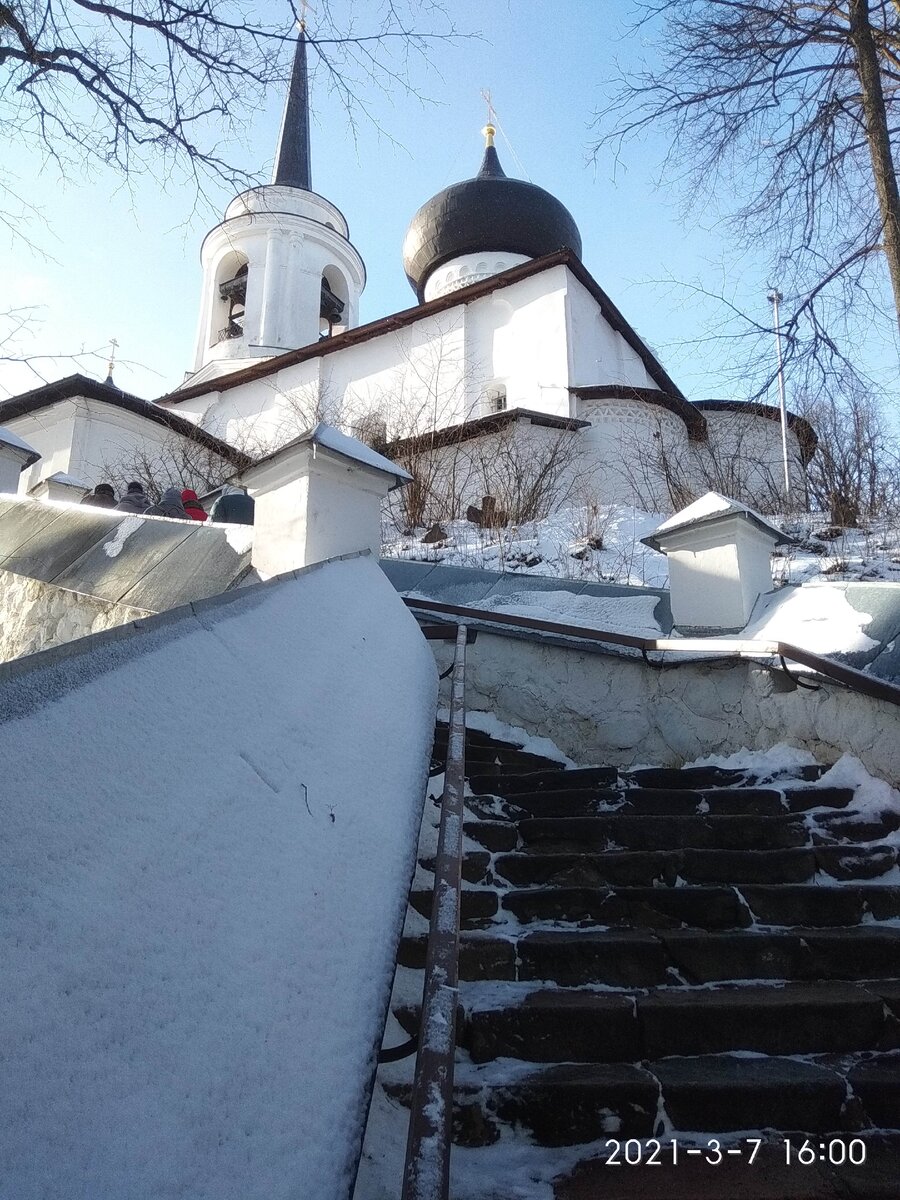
511,354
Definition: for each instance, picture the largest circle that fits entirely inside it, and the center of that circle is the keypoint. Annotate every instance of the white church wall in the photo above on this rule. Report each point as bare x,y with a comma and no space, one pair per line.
598,354
430,373
743,458
523,466
288,239
51,432
627,441
517,336
599,708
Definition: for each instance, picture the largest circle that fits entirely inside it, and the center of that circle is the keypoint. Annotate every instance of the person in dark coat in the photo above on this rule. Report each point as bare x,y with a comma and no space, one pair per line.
169,506
234,507
102,496
192,505
135,499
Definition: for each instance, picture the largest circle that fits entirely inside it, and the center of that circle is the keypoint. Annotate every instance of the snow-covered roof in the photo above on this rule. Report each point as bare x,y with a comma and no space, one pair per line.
332,439
708,510
334,442
65,480
151,563
8,438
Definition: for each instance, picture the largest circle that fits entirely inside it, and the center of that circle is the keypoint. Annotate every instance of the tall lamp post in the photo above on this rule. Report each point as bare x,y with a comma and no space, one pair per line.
775,298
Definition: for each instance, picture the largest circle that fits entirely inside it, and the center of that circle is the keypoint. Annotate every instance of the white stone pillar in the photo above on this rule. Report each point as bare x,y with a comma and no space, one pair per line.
719,554
15,456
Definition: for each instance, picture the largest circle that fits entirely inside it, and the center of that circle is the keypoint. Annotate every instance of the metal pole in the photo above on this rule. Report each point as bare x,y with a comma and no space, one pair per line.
774,298
426,1173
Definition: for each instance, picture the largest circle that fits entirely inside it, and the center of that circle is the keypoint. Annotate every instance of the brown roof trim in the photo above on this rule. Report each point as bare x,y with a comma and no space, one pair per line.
806,435
74,386
694,420
466,295
478,427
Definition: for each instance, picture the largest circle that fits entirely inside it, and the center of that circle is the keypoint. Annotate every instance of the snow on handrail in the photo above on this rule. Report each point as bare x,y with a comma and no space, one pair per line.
426,1172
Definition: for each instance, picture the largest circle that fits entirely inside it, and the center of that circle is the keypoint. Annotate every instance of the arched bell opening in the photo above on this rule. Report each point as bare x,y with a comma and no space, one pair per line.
334,303
229,298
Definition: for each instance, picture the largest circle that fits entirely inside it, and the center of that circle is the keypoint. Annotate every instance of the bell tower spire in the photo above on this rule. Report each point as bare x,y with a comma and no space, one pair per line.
280,271
292,158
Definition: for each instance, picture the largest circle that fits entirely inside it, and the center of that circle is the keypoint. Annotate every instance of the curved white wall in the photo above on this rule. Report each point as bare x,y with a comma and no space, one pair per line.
469,268
745,449
630,441
289,239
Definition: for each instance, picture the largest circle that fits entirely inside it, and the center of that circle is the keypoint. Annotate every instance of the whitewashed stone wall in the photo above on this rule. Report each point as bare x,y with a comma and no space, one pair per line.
36,615
628,444
602,709
744,458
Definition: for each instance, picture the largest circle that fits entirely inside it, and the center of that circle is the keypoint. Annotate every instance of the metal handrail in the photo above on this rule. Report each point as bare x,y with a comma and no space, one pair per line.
426,1172
747,648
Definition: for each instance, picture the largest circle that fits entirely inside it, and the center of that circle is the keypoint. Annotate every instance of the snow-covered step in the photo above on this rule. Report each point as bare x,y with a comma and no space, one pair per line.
596,801
662,952
640,958
582,1025
653,868
638,832
571,1103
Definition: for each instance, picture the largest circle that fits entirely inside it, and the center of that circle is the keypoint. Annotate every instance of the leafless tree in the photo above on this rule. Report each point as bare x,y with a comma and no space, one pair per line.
177,461
790,108
164,83
855,473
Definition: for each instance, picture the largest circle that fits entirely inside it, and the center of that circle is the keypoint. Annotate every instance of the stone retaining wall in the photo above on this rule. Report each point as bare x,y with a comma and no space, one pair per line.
598,708
37,615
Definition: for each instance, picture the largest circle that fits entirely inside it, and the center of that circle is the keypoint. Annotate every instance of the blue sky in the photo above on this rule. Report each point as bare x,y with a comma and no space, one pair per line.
124,258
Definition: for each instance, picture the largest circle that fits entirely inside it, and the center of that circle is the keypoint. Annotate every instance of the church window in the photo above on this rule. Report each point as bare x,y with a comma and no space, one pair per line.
495,398
231,295
332,303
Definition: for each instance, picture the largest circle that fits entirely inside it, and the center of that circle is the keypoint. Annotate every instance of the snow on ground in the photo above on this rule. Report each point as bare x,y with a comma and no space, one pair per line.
207,832
561,546
780,759
558,546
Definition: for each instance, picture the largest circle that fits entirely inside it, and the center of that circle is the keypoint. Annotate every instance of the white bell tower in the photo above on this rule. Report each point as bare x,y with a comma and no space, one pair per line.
279,272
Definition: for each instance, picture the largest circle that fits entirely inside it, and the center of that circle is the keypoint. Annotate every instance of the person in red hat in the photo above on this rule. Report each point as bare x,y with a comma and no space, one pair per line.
192,505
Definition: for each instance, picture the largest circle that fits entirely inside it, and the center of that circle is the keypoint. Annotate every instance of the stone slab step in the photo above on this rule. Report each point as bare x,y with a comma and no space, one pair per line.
493,835
815,906
580,778
804,799
634,832
649,867
770,1177
476,866
554,1025
476,904
855,827
641,958
652,907
709,777
569,1104
480,957
877,1084
577,801
848,954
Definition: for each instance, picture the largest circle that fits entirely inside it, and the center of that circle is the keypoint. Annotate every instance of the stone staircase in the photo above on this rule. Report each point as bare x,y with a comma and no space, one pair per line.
679,957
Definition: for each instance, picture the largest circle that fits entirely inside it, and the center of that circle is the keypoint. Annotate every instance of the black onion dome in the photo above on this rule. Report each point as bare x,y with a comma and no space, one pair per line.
488,213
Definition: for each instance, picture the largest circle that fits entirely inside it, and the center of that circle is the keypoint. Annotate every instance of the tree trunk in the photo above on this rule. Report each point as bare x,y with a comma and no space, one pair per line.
875,119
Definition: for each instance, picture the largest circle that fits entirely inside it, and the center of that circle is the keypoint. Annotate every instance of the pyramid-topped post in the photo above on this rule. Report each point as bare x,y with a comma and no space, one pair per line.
316,498
719,554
